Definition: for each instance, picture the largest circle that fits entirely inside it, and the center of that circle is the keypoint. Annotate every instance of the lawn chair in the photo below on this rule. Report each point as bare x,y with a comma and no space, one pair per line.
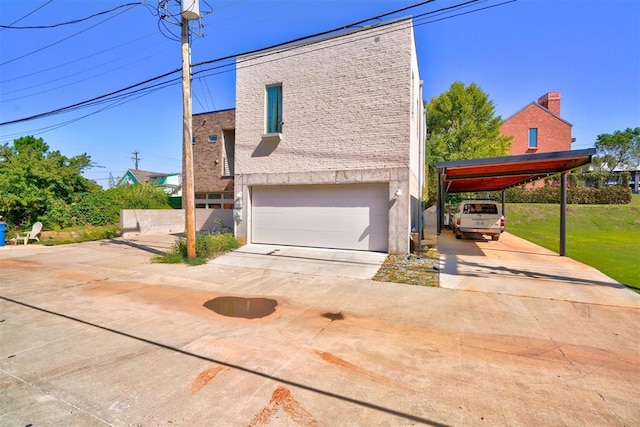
31,235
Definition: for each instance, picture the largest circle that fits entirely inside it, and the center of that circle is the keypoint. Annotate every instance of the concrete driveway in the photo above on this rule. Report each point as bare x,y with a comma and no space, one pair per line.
515,266
95,334
300,260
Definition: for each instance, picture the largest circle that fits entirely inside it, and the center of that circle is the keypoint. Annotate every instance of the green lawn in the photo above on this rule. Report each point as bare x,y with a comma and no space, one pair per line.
606,237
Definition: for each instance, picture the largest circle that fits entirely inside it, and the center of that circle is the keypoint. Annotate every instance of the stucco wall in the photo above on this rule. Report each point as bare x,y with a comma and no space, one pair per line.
135,222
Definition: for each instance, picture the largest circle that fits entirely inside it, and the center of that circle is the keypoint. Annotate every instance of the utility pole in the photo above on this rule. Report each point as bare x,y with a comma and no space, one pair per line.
189,11
135,158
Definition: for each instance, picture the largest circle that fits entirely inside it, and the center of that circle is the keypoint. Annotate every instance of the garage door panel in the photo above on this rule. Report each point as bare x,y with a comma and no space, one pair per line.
332,216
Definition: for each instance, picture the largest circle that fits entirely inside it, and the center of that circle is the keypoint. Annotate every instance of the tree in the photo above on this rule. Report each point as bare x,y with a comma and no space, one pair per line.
619,149
38,184
461,124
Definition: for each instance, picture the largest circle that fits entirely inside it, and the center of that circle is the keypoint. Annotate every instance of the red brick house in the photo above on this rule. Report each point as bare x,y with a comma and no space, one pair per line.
214,138
538,127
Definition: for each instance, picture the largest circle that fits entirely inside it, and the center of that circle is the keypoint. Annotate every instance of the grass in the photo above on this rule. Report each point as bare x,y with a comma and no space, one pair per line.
410,269
78,235
606,237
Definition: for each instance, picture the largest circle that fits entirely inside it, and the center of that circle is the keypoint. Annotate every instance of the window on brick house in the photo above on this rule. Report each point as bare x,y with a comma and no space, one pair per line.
533,138
274,109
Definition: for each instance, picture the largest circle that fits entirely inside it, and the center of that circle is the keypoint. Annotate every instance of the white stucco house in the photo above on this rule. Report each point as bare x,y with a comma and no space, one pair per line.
328,141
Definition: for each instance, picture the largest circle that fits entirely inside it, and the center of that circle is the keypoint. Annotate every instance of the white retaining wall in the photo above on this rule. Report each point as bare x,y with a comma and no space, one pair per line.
134,222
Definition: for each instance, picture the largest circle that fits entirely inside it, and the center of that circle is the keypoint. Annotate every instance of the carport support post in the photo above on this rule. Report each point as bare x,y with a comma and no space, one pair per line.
563,214
440,201
504,200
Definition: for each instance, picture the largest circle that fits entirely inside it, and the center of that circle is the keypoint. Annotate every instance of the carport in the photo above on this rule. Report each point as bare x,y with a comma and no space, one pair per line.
500,173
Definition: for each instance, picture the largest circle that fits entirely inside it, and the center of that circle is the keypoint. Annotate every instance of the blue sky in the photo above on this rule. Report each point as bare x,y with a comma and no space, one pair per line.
589,50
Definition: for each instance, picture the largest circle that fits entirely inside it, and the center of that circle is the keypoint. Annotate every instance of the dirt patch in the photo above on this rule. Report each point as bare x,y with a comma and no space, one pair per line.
18,264
282,399
411,269
204,378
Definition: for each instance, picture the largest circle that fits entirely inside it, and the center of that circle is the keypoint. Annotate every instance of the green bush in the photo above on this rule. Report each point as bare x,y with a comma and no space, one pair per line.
58,215
207,246
615,194
104,206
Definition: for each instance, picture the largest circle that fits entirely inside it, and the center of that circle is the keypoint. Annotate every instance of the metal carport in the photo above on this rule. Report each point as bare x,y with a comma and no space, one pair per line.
500,173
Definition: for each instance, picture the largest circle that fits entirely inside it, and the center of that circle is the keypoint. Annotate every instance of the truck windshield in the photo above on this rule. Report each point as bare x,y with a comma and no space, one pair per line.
483,208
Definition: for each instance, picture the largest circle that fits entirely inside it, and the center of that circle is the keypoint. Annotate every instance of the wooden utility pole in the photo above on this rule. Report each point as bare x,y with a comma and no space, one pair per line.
135,158
187,144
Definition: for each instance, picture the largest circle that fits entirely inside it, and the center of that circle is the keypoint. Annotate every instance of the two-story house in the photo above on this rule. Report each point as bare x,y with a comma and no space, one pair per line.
328,141
538,127
213,159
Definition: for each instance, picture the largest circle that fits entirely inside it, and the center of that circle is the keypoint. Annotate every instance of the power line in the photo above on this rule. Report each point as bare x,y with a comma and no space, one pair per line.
77,60
91,101
269,51
288,46
313,36
28,14
75,21
67,76
68,37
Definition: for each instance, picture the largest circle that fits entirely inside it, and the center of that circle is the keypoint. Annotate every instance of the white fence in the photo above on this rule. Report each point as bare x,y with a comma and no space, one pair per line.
134,222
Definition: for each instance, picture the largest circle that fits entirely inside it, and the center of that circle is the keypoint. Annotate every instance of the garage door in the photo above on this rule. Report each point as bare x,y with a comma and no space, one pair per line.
326,216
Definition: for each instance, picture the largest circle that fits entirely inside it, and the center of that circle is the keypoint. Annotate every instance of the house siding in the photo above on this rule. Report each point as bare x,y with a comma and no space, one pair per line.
347,113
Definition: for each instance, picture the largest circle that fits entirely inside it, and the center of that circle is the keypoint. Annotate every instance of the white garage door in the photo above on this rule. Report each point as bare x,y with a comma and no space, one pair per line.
349,216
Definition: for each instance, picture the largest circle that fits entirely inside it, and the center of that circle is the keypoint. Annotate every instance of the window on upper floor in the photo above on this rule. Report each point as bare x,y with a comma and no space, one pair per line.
533,138
274,109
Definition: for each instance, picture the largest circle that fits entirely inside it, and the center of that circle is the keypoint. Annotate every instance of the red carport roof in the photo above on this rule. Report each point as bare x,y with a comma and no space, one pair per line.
498,173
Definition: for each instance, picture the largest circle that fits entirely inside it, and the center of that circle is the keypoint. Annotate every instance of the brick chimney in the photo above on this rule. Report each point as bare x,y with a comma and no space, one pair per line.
551,101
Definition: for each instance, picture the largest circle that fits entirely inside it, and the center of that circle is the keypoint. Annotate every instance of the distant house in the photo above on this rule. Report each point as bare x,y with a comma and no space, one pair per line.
538,127
328,137
170,182
633,171
213,159
615,177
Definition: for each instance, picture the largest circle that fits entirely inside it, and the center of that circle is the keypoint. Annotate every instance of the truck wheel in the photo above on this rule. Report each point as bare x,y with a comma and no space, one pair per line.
458,235
495,237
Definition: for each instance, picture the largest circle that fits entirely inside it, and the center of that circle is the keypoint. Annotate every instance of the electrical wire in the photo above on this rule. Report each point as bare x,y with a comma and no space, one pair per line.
68,37
77,60
269,51
75,21
316,35
67,76
28,14
288,46
92,101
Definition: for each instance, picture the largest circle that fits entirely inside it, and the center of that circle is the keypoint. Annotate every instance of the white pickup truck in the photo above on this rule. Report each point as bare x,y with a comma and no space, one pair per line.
477,217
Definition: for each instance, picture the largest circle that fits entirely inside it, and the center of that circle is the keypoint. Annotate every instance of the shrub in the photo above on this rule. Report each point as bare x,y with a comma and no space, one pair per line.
207,246
615,194
103,207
